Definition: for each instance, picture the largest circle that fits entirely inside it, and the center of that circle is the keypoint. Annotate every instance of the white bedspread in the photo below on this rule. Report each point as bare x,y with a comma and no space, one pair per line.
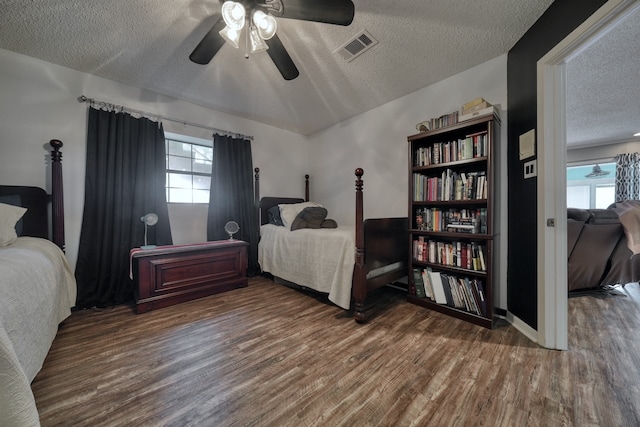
319,259
37,291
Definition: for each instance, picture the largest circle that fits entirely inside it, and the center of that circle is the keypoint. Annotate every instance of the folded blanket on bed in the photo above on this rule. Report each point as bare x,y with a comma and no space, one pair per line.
629,214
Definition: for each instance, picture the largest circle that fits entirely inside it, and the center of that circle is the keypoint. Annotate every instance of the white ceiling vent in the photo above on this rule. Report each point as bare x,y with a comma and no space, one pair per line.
357,46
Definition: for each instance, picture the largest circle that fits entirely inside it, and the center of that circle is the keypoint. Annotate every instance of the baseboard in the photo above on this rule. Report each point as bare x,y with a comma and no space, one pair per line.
522,327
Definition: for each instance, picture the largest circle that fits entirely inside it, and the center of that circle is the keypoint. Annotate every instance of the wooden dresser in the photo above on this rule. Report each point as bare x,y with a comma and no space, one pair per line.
170,275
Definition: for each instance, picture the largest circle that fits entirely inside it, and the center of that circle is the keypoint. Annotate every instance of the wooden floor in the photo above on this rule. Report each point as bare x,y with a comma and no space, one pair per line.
268,355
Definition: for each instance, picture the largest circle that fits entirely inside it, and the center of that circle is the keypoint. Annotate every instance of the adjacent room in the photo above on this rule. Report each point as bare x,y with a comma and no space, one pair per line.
319,213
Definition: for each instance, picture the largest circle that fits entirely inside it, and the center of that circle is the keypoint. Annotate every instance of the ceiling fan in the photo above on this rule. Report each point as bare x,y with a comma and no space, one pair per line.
257,18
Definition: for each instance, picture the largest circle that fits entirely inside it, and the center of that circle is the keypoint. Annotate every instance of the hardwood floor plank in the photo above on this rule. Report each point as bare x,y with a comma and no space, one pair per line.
268,355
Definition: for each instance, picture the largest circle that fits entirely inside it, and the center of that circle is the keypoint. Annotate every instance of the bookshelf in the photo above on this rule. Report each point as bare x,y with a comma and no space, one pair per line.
451,212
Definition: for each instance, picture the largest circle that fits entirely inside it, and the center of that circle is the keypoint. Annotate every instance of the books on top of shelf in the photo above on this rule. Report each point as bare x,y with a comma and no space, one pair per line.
475,105
472,103
480,106
488,110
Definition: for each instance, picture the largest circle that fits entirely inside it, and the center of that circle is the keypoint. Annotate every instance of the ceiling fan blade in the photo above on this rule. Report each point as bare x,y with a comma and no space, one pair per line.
281,58
209,45
337,12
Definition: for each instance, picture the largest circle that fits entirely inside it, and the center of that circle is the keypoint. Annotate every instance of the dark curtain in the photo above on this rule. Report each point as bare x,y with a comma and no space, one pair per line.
232,196
125,179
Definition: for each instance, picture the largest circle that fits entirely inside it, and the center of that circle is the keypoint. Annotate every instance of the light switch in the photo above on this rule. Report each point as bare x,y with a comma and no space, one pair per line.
530,169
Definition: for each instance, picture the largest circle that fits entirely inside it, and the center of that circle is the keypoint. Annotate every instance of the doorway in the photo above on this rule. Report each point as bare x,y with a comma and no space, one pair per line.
552,181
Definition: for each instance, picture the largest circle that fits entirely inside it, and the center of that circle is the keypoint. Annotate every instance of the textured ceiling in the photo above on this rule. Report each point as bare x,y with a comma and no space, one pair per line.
146,43
603,87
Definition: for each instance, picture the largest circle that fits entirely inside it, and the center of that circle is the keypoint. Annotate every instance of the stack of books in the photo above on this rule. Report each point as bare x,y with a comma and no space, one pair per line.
477,107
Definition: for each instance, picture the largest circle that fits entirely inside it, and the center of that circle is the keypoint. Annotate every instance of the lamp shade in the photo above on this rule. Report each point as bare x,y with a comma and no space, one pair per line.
266,24
231,36
150,219
233,14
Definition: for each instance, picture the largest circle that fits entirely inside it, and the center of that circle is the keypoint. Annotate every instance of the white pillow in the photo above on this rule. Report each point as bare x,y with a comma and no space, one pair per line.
289,212
9,216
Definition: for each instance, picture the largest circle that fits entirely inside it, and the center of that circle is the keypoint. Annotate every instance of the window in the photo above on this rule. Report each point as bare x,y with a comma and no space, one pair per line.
188,167
591,192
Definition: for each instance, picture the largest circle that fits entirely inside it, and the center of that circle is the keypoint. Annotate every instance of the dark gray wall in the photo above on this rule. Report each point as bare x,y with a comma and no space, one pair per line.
562,17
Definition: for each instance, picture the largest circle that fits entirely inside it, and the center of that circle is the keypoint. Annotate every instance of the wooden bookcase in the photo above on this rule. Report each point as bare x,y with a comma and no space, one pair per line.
451,212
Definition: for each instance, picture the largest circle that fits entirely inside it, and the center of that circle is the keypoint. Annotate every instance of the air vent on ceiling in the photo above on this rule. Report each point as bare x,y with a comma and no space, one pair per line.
357,46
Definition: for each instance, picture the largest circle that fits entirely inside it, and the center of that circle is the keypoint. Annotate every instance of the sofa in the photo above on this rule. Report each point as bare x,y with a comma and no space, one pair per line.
598,246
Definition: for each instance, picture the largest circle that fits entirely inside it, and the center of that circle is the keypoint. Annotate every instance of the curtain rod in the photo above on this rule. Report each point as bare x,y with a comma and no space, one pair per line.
109,106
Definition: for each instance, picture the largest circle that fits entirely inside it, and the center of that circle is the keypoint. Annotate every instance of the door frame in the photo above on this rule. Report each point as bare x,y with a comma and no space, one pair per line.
552,179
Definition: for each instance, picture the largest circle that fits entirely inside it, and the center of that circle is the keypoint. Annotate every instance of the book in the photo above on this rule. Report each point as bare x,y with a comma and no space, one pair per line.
483,266
472,103
438,288
473,297
418,283
481,301
428,288
489,110
444,280
480,106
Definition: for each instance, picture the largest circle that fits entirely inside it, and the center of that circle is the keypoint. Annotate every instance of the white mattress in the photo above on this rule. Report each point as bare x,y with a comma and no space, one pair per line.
320,259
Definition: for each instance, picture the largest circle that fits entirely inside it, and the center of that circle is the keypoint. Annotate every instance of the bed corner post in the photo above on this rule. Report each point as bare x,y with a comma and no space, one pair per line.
306,188
359,272
57,194
256,196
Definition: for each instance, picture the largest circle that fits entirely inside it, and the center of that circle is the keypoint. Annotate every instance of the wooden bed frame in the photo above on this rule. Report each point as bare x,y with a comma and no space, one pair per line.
379,242
36,200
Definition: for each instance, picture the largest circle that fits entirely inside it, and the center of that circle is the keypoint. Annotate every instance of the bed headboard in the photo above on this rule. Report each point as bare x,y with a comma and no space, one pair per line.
264,204
267,203
35,222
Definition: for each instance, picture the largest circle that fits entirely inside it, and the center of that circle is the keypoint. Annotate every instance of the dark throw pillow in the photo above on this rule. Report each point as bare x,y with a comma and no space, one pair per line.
274,216
311,217
329,223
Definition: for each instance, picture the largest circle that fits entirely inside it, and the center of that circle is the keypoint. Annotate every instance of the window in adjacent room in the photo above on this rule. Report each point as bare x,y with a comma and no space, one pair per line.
188,166
589,190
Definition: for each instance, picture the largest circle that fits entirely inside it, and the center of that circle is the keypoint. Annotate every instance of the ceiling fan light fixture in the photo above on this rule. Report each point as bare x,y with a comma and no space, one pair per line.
233,14
266,24
231,36
597,172
257,43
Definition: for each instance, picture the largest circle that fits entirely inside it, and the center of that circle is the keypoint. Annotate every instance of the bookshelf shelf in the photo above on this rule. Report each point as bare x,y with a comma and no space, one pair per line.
450,164
451,185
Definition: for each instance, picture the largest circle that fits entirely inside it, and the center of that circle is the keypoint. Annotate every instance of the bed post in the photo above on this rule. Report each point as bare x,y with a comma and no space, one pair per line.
57,199
306,188
359,272
256,197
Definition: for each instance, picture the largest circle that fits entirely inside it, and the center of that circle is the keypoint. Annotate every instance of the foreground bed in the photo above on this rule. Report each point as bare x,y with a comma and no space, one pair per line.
347,262
37,291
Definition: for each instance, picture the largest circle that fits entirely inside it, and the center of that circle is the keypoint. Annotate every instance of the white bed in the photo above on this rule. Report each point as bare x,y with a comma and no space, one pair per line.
319,259
300,244
37,291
